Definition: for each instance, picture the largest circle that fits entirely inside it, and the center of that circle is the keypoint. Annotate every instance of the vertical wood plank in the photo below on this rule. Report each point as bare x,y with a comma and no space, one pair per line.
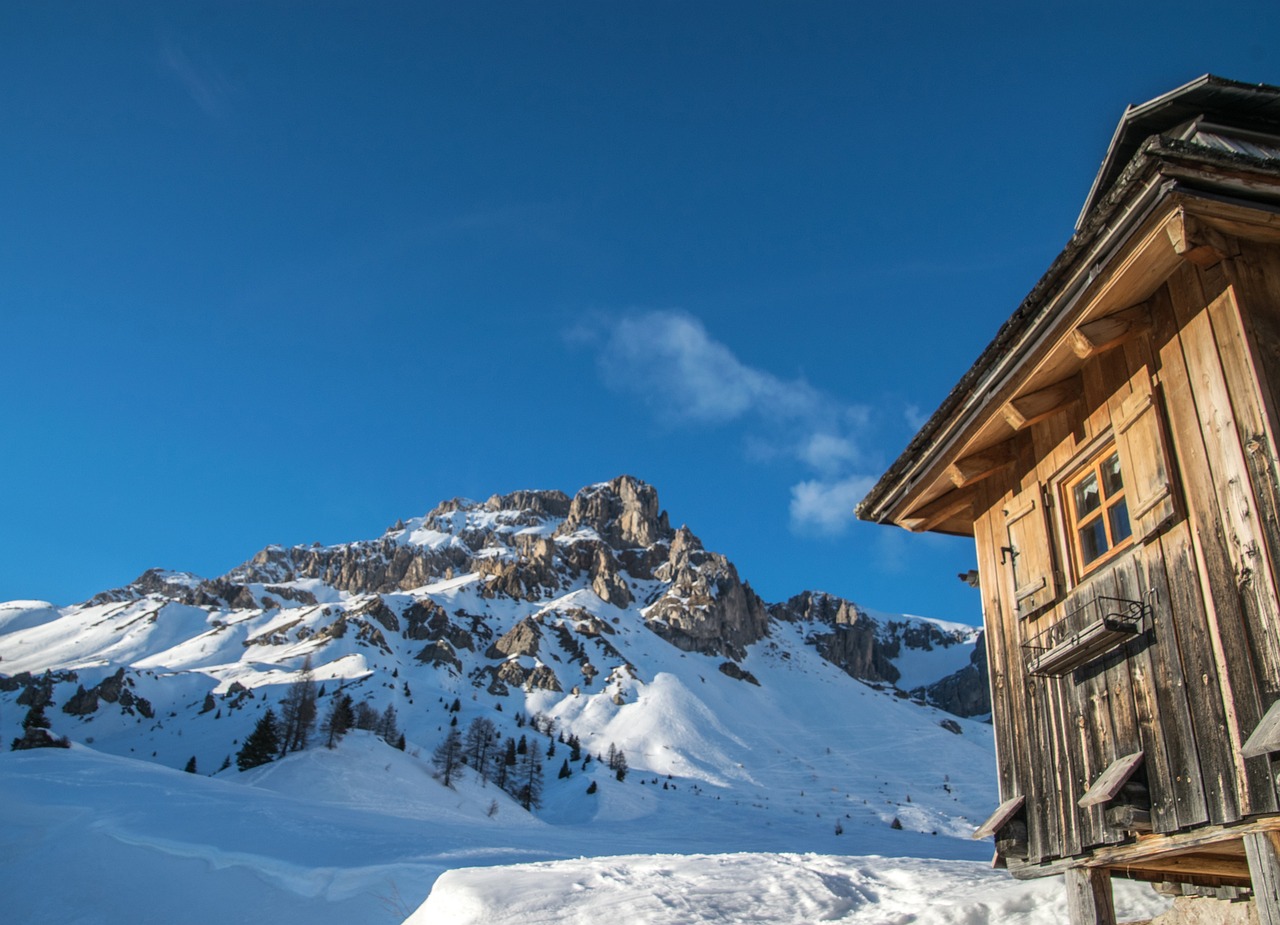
1264,870
1089,897
1005,709
1176,711
1255,438
1173,711
1225,535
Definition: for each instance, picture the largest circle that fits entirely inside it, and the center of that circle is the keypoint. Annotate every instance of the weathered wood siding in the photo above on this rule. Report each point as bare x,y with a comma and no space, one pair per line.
1189,689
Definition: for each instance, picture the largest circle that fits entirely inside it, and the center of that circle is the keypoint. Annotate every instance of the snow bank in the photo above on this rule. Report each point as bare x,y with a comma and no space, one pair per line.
765,889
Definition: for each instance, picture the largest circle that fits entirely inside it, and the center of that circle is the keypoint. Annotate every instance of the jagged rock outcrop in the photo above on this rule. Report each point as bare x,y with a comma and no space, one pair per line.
624,513
522,639
708,608
852,644
440,654
968,691
378,566
607,582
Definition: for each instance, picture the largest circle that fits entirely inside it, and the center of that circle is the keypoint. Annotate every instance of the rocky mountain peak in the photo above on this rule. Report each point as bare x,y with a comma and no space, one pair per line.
544,503
624,512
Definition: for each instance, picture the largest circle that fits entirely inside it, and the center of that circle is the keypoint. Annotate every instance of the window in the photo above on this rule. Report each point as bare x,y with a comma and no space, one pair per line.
1097,511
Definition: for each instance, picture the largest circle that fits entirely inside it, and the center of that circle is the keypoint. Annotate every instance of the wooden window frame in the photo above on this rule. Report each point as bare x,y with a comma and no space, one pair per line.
1094,458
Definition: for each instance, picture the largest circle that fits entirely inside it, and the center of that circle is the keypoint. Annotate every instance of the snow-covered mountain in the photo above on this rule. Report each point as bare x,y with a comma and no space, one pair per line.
794,727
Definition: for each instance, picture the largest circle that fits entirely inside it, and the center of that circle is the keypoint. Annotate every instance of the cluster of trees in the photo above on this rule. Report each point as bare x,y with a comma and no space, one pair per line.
274,737
516,767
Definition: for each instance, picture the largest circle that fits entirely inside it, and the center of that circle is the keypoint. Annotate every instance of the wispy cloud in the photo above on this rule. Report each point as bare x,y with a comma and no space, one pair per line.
670,361
207,88
824,506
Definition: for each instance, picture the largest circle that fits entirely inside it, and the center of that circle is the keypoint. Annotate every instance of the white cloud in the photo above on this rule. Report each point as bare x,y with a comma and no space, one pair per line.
669,359
830,453
826,507
914,417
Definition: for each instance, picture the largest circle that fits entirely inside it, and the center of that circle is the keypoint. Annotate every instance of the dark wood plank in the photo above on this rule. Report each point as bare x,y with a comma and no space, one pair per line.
1089,897
1264,872
1224,532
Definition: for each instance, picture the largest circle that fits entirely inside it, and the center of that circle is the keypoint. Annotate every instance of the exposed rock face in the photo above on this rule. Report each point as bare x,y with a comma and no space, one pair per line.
738,673
623,512
708,608
968,691
606,582
521,639
440,653
852,645
544,679
382,565
378,610
82,702
539,503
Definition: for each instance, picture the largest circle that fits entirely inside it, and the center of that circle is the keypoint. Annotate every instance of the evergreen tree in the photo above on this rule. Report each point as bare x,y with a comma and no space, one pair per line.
298,711
338,721
612,758
191,765
504,765
35,730
447,758
366,717
400,742
620,765
551,748
261,745
591,788
522,746
226,763
564,770
575,748
455,706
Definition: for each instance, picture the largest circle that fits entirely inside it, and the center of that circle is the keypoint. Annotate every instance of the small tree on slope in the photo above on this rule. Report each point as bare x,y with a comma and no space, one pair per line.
338,721
261,745
298,712
35,731
447,758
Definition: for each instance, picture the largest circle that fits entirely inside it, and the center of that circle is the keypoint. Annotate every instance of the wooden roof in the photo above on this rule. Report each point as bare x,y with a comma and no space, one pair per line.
1137,226
1253,106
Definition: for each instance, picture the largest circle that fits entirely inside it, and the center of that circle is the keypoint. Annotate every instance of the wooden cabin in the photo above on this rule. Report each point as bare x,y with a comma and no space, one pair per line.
1113,453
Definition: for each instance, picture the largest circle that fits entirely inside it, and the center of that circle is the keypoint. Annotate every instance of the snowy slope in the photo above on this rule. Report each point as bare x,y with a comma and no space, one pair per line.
92,838
745,727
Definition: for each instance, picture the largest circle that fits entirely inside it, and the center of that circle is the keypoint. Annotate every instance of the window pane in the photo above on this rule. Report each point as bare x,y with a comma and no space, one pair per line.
1119,514
1111,479
1093,540
1086,495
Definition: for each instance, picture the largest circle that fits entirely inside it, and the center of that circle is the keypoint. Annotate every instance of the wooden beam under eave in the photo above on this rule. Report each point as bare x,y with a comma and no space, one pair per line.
1103,334
925,518
1195,241
980,465
1024,410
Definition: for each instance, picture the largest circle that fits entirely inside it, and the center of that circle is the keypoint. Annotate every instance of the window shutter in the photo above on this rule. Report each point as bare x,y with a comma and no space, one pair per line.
1143,458
1035,582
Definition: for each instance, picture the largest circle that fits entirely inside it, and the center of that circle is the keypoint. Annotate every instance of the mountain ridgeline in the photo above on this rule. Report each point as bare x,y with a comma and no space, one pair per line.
527,599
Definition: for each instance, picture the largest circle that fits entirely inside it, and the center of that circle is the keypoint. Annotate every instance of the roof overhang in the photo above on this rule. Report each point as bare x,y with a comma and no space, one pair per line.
1174,201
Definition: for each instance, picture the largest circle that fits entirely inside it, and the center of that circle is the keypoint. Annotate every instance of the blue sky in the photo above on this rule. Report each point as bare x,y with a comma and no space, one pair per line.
285,272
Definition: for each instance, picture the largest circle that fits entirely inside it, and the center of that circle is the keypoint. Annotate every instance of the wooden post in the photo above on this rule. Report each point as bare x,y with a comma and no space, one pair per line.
1264,871
1089,897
